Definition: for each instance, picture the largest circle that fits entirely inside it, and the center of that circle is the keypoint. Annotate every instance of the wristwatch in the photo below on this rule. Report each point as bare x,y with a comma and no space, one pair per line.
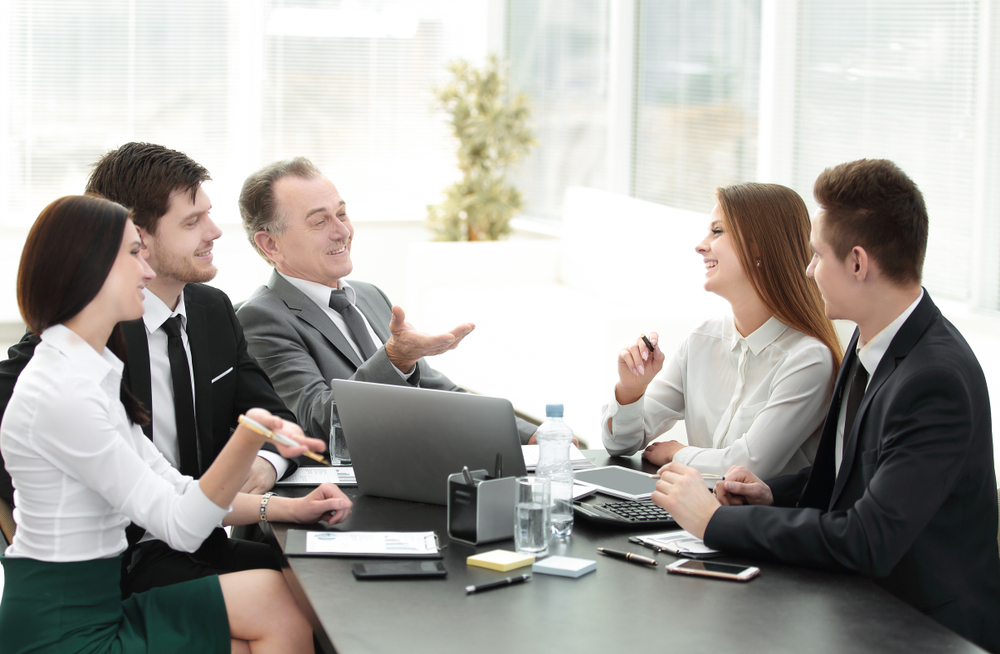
264,499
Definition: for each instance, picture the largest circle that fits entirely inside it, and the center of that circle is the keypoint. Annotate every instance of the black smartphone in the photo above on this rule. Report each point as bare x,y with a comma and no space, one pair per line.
398,569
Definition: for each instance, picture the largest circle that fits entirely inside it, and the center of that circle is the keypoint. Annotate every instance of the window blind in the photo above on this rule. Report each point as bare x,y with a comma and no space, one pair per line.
698,68
558,55
896,80
83,78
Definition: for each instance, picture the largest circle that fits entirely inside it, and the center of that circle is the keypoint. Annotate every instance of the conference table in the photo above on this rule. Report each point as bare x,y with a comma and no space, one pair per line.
620,607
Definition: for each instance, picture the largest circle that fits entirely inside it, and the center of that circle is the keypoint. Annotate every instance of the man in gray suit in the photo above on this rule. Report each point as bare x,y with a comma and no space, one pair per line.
308,326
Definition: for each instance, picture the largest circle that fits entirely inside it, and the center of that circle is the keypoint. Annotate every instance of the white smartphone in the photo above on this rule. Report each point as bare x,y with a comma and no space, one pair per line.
713,569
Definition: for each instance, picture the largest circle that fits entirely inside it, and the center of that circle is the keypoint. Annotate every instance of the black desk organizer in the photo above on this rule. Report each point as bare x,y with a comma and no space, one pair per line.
483,512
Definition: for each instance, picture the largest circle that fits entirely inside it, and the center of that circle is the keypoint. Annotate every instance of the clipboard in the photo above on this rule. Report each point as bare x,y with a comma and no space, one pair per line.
363,544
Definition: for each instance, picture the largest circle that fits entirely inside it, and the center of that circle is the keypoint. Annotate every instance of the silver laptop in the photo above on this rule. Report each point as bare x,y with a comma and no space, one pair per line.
405,441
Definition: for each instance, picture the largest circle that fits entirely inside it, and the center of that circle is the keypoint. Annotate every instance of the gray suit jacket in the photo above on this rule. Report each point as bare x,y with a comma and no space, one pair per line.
301,350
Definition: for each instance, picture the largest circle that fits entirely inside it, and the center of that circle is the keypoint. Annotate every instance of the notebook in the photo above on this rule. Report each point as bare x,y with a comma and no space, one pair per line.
405,441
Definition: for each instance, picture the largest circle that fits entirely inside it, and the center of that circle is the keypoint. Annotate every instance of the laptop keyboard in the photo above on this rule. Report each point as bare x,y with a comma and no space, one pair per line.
625,512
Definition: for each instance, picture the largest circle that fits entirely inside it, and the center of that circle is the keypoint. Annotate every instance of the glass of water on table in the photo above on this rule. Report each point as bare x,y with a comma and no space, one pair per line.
532,528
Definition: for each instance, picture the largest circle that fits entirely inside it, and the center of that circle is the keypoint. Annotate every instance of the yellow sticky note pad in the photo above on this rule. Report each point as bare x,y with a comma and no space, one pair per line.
500,560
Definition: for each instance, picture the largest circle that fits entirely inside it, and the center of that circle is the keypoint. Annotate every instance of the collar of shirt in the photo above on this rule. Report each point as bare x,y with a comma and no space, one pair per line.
319,293
872,352
87,361
157,312
760,337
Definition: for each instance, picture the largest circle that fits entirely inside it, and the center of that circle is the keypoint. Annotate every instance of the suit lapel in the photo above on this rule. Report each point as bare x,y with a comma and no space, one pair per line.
198,341
309,313
904,340
137,375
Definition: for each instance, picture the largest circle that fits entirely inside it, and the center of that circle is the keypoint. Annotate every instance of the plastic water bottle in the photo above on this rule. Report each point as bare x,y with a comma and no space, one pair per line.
554,438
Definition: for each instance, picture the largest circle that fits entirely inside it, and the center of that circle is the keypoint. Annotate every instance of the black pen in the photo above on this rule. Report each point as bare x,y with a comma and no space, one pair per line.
509,581
648,344
498,468
628,556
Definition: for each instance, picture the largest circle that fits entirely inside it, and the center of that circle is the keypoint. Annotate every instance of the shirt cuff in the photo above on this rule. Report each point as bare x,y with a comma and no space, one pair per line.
201,515
279,462
405,375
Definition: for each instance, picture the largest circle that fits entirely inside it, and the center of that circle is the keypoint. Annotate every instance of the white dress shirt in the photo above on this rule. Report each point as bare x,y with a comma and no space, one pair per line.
162,384
870,354
81,470
320,295
757,401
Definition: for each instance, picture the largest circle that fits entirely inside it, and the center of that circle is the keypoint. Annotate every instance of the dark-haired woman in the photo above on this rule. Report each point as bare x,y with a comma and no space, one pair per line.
751,388
83,469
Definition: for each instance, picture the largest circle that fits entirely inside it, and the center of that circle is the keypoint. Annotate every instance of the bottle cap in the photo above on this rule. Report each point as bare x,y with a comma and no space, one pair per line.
553,411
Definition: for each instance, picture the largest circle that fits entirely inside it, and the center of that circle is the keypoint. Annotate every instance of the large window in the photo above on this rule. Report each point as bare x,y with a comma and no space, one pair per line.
235,84
696,99
559,57
724,91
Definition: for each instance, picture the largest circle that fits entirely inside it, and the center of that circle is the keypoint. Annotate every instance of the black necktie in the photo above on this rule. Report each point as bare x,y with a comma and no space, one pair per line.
355,323
858,387
180,375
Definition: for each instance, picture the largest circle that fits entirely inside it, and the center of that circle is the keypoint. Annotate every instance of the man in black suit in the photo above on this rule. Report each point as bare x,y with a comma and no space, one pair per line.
903,488
171,211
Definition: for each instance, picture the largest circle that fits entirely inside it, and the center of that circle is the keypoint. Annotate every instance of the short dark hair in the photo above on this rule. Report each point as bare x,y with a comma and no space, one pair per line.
67,257
258,207
141,176
873,204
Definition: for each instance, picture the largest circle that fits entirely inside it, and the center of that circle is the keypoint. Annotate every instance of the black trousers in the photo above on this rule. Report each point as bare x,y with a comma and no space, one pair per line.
158,565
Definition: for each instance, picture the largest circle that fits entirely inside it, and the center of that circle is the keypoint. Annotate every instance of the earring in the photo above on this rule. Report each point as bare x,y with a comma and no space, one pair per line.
758,263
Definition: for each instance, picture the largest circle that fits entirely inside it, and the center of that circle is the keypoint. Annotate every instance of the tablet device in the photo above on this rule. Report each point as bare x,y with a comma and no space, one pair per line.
618,482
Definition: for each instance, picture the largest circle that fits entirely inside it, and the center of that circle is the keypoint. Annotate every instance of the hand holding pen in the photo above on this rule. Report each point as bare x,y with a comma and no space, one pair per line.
637,365
292,440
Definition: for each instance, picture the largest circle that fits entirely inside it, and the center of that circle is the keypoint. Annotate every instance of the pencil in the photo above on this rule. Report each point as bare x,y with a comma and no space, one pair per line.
255,426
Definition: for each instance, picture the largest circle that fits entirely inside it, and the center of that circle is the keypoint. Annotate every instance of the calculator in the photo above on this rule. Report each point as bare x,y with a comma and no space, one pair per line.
625,513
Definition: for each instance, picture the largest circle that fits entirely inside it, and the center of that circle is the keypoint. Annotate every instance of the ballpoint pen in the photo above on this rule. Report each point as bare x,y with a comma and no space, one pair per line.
255,426
648,344
509,581
704,475
628,556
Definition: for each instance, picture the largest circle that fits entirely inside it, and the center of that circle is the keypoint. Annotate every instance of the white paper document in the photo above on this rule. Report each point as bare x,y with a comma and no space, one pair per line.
372,543
316,475
576,457
681,543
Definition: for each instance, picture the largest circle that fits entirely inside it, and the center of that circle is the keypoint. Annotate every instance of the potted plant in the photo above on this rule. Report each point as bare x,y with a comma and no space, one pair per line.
493,134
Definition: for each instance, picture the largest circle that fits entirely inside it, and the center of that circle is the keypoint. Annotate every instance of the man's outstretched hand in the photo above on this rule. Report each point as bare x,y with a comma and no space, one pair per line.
406,345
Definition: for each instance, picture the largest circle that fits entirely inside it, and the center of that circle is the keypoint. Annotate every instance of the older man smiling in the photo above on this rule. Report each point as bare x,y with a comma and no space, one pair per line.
308,325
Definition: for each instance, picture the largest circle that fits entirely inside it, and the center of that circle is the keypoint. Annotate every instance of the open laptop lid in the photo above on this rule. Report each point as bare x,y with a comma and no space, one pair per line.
405,441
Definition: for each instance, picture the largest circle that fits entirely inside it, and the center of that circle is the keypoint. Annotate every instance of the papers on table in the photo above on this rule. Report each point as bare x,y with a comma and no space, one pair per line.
371,543
681,543
316,475
576,457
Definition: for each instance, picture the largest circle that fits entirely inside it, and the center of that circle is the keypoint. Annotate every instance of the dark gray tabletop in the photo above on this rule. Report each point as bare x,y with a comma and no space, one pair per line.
619,607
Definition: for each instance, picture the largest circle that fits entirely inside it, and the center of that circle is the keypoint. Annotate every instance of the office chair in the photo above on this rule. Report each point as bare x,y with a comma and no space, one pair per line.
7,525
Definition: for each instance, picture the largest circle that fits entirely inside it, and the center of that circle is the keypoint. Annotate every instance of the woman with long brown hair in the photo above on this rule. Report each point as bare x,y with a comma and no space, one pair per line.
752,388
82,469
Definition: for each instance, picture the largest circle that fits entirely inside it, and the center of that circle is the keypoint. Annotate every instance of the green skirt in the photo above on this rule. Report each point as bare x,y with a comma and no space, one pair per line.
77,607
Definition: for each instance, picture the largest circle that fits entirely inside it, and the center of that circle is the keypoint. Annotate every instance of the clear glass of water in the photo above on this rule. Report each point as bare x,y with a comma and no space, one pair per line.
338,444
532,528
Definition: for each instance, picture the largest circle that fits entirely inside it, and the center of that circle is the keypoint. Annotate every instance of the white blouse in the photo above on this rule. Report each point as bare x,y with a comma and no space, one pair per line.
81,470
757,401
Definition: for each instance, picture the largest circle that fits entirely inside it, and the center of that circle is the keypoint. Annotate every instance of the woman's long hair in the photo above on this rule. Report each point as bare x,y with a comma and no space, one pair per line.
769,226
66,259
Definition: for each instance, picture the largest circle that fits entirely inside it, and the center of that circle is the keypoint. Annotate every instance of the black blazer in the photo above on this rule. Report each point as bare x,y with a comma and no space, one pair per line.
915,504
218,351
